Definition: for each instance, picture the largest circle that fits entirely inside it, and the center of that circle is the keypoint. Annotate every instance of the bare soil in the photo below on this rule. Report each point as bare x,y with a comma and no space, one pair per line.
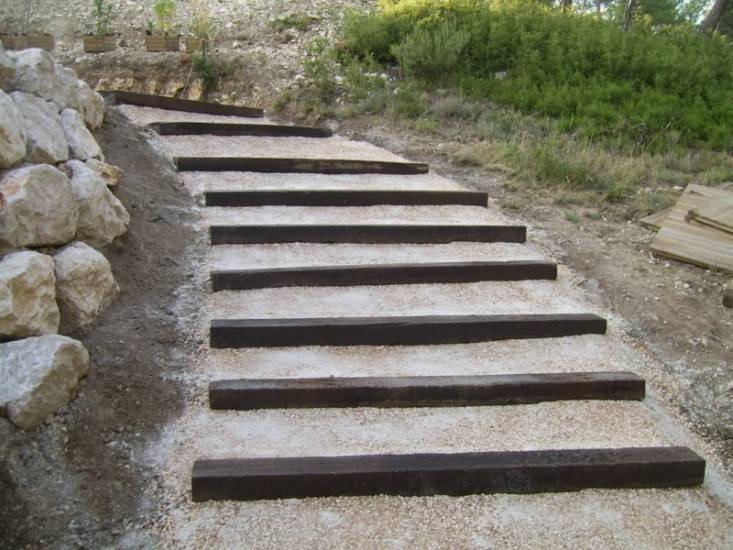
674,311
77,481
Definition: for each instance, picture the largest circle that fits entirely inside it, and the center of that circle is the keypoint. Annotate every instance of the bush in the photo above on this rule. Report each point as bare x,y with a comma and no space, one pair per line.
643,90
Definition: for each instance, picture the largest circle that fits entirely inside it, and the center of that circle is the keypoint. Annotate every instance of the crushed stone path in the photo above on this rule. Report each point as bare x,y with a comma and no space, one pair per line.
695,517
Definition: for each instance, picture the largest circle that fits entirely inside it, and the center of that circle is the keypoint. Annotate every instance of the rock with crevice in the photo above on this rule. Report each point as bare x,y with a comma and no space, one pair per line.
81,97
38,376
102,217
85,285
110,173
12,132
35,73
40,207
27,295
46,139
7,70
82,144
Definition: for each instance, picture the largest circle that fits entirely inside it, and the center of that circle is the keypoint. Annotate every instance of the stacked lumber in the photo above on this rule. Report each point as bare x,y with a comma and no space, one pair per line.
698,229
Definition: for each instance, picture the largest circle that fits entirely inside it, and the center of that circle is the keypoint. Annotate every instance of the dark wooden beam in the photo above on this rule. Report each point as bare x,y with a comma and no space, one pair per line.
423,391
344,198
394,274
397,331
262,234
548,471
237,129
298,166
185,105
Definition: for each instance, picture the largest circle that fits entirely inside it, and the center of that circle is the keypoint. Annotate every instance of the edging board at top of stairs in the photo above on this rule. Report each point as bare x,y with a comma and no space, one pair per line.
423,391
453,474
185,105
398,331
372,233
298,165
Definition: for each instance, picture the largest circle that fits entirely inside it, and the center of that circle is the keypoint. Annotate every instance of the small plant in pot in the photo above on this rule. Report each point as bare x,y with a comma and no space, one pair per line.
201,28
27,39
159,37
101,40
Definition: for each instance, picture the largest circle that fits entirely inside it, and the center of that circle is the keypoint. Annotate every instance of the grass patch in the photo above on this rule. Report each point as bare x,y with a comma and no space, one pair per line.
298,21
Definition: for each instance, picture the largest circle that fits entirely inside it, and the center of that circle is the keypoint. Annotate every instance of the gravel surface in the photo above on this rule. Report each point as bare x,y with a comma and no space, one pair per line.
142,116
489,297
264,256
198,182
378,215
276,147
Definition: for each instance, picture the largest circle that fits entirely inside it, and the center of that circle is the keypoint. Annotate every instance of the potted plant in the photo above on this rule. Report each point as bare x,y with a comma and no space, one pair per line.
27,39
158,37
100,41
201,27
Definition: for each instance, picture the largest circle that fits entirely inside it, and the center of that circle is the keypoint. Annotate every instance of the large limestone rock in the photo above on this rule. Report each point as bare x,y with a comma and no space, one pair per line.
12,131
81,141
47,141
27,295
110,173
40,207
7,70
85,286
37,73
102,217
38,376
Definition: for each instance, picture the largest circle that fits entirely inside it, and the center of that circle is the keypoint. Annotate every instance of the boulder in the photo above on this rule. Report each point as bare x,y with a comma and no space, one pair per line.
46,141
109,173
38,376
102,217
12,132
27,295
40,207
81,141
85,286
35,73
7,70
81,97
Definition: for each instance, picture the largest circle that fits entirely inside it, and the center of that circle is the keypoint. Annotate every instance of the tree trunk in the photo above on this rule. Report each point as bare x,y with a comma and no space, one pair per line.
712,19
565,4
629,11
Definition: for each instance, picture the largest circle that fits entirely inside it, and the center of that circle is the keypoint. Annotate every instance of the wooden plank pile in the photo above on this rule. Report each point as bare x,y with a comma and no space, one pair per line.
698,229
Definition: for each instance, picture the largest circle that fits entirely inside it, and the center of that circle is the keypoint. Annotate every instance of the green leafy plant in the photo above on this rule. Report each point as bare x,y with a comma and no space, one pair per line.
164,10
101,11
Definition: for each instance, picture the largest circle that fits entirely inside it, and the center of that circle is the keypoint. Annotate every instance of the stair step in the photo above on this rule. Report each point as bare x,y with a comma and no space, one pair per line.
302,166
423,391
322,233
398,331
344,198
237,129
388,274
185,105
453,474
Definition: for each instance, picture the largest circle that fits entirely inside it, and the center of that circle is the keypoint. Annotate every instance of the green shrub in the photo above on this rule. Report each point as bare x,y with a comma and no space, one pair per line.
652,90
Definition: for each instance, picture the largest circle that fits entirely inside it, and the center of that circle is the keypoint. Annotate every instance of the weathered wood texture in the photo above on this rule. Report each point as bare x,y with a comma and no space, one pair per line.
344,198
237,129
186,105
395,274
446,474
718,214
398,331
262,234
298,166
694,242
423,391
